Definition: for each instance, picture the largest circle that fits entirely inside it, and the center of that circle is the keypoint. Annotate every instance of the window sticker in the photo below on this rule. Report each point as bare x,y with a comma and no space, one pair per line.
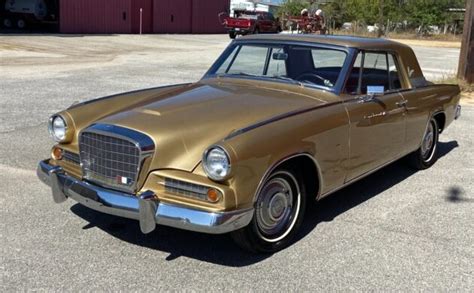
375,89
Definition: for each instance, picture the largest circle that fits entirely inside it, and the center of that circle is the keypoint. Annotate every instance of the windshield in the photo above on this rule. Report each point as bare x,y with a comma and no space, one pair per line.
303,65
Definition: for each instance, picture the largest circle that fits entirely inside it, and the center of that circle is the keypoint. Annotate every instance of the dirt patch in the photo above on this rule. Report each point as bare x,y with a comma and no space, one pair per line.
467,98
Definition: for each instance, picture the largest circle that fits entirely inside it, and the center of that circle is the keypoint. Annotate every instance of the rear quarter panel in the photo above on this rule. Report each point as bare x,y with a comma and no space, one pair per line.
425,102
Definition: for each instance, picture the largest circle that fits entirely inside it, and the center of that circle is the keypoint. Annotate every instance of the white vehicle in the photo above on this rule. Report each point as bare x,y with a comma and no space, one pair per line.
347,26
18,13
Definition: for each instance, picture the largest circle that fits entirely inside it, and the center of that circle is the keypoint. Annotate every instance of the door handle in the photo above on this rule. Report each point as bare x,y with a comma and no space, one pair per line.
402,103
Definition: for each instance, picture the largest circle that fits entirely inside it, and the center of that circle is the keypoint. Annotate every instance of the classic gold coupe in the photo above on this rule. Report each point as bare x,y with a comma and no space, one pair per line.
276,122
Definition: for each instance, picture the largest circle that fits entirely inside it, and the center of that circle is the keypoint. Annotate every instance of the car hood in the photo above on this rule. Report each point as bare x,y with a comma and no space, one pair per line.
187,121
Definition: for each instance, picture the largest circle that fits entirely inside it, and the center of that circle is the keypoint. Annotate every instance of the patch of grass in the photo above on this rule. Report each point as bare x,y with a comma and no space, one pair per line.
466,88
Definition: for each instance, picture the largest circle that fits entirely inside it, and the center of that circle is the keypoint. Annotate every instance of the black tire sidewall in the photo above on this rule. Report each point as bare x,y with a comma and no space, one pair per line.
254,236
417,157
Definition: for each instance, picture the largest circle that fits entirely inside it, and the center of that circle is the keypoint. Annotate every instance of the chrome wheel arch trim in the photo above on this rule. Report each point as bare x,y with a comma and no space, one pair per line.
270,170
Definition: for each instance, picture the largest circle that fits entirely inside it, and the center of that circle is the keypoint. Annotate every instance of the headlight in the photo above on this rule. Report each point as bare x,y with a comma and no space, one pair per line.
216,163
57,128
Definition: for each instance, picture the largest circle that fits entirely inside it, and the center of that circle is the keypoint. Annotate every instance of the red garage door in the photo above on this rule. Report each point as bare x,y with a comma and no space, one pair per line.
172,16
147,16
91,16
205,14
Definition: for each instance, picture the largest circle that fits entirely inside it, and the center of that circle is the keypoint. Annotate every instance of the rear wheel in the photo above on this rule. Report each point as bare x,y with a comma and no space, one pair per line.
279,211
426,155
232,35
7,23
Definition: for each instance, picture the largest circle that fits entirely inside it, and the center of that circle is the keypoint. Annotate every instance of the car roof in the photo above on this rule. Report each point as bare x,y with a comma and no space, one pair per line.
340,40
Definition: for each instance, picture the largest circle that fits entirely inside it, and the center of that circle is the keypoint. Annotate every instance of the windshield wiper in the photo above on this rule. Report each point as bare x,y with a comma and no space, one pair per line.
237,74
278,77
293,81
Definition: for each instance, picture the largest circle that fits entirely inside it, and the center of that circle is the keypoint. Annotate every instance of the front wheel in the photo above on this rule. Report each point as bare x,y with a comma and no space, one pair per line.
21,24
232,35
426,155
279,211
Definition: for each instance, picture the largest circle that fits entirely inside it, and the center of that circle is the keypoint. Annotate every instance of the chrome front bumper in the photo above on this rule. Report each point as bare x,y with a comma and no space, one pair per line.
145,208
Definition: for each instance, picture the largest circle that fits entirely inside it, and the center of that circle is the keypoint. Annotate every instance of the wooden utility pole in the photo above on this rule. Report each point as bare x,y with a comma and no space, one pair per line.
380,31
466,58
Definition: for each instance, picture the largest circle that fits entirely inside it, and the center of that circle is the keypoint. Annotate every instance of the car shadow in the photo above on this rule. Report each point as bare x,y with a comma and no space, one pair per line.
220,249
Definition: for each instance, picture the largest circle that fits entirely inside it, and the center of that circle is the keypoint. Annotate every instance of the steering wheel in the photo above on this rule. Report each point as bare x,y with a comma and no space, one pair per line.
311,75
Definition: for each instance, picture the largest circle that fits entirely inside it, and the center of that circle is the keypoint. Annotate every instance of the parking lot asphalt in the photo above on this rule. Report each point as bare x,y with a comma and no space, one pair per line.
394,230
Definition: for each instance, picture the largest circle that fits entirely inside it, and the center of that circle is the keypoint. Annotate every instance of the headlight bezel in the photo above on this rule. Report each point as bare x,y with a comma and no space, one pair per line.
209,173
67,129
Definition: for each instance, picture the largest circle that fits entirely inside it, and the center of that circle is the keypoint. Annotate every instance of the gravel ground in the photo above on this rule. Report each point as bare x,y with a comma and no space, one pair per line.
394,230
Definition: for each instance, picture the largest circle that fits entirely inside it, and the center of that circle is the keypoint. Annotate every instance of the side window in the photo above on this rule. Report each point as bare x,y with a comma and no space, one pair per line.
375,73
379,73
276,66
395,83
324,58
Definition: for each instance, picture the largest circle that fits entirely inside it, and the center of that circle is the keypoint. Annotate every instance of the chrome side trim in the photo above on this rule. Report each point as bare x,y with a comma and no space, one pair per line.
146,208
279,117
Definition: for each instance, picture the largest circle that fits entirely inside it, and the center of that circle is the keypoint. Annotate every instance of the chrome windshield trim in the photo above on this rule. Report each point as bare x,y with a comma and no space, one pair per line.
338,86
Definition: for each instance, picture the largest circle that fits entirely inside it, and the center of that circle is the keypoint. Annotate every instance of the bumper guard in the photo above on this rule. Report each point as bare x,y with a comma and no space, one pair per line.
145,208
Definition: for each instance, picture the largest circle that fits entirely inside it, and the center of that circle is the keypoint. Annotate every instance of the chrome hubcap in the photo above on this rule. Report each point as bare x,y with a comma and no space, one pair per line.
428,142
277,206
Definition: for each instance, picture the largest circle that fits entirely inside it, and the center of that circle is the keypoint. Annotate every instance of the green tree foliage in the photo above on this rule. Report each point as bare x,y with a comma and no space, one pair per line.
413,12
292,7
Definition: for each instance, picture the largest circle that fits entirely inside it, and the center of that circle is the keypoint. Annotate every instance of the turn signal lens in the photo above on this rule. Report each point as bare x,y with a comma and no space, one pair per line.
57,153
213,195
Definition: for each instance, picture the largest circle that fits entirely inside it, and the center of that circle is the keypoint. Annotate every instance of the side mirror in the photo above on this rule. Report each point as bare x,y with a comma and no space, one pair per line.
366,98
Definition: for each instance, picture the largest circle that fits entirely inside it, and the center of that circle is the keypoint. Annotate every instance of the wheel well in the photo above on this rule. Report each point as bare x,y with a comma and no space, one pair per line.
308,172
440,120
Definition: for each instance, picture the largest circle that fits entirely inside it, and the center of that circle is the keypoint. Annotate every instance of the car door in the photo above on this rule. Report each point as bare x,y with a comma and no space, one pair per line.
265,23
272,23
376,111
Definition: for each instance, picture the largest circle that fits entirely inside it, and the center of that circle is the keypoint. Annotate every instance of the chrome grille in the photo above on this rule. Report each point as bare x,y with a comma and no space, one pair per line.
111,156
71,157
186,188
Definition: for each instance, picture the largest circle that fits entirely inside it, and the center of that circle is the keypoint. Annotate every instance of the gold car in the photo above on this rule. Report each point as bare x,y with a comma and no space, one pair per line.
276,122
